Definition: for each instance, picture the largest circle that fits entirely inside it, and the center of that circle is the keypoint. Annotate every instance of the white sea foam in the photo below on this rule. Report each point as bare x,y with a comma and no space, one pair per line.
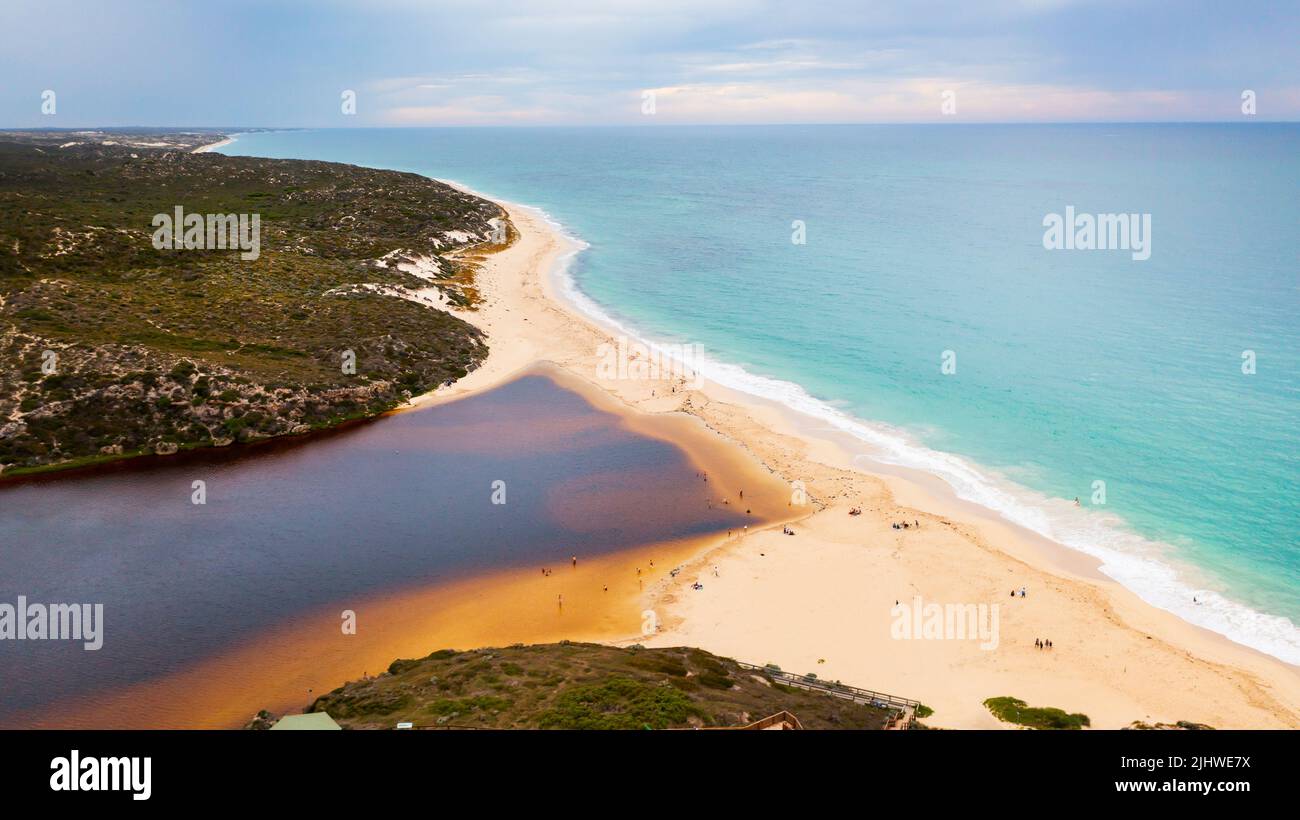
1141,565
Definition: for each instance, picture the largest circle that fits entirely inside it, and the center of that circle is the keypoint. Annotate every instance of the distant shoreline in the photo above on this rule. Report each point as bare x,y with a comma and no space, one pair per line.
212,146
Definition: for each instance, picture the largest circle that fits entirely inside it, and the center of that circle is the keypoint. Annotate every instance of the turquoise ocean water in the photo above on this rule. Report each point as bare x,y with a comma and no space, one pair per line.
1072,366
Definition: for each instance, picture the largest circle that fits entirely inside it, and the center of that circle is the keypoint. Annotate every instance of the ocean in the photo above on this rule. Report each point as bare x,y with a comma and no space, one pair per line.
923,314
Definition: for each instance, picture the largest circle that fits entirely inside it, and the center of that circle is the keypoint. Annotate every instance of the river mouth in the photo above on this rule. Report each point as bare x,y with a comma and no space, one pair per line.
428,525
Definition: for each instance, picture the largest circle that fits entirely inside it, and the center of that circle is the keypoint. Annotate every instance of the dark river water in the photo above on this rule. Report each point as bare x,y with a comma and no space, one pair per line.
403,501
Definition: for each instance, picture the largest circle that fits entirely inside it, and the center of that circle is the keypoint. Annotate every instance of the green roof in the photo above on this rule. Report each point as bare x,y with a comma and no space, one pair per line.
311,720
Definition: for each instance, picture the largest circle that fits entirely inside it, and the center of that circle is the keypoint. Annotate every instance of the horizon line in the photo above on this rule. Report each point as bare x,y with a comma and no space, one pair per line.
250,128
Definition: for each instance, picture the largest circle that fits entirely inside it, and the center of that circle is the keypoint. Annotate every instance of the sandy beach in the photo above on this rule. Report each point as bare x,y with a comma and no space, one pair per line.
822,600
212,146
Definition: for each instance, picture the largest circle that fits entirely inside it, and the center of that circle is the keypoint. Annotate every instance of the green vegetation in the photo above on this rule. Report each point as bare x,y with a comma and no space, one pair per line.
923,711
156,351
580,686
619,703
1186,725
1013,710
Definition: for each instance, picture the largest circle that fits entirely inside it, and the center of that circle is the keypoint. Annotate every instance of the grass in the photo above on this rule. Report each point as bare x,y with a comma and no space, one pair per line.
1014,710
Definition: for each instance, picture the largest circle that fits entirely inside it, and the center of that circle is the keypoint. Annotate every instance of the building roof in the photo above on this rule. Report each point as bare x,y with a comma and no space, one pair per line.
311,720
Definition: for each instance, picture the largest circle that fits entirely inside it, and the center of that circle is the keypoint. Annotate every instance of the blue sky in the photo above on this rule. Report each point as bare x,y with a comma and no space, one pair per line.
591,62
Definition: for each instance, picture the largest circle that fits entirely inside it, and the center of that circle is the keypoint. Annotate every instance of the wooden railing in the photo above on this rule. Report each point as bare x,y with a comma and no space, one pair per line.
904,707
782,718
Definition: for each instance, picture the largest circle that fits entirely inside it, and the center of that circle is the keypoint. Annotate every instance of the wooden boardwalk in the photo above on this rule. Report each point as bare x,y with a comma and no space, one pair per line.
903,708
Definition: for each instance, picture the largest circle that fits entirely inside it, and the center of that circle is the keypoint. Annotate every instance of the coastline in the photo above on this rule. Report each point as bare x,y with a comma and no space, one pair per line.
212,146
1115,657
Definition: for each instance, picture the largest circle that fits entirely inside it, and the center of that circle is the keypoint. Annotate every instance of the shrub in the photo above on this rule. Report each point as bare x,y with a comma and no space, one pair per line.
1014,710
618,703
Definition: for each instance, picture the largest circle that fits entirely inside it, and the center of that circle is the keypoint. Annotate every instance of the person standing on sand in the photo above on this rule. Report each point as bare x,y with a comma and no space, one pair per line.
575,560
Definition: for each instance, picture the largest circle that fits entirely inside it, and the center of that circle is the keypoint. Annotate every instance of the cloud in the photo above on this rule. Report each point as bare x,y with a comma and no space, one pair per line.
285,62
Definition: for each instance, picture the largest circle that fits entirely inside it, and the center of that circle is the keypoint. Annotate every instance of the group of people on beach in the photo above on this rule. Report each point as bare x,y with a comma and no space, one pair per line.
1023,592
573,559
1042,644
903,525
855,511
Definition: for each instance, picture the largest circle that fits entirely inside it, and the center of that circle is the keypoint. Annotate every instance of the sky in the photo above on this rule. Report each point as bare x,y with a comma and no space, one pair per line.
290,63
